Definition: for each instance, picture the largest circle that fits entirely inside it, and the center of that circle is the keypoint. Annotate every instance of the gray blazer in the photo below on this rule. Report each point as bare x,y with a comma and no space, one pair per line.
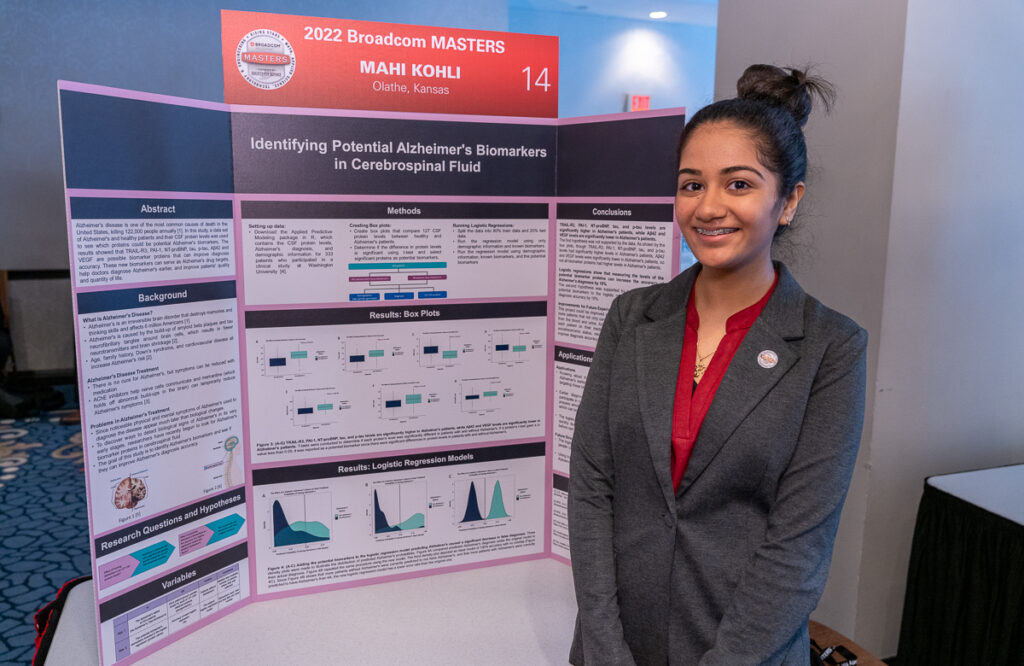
727,570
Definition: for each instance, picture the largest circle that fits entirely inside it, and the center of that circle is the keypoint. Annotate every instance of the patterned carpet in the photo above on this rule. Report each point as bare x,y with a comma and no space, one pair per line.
44,534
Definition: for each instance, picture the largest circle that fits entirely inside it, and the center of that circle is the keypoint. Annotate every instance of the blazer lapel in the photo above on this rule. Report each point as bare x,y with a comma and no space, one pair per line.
659,345
746,381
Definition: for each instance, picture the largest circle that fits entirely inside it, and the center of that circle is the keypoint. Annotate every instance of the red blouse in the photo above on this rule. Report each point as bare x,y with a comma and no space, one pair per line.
692,403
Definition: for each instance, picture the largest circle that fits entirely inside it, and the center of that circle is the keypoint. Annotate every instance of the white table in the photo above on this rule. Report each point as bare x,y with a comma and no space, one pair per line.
999,490
512,614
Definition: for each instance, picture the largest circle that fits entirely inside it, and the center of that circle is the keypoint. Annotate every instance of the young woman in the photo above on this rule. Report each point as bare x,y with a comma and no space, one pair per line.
721,418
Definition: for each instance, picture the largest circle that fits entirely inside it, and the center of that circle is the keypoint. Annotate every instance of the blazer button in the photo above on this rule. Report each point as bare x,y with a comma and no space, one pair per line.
669,520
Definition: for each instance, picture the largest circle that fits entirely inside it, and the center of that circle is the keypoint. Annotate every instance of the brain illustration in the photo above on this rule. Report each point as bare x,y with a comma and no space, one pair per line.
129,493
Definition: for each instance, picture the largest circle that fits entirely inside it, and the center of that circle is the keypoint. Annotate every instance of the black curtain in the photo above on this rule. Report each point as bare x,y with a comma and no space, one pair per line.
964,602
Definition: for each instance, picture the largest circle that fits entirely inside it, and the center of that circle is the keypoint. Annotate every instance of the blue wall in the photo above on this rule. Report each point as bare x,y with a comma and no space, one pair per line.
602,59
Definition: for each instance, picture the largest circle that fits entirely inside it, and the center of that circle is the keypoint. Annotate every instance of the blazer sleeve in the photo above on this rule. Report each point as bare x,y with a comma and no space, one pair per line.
591,494
784,580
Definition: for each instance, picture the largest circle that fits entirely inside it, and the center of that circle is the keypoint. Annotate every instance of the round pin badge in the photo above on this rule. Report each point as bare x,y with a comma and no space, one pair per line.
767,359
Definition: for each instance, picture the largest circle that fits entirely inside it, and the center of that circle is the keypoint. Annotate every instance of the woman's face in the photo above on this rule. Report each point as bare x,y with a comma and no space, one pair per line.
727,203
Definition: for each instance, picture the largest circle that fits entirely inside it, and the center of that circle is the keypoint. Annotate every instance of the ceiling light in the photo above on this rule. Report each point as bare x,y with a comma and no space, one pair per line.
658,15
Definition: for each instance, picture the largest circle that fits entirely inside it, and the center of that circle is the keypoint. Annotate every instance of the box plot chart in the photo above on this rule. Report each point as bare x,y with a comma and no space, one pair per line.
316,406
512,346
300,520
438,350
399,507
289,358
405,400
481,395
371,353
483,500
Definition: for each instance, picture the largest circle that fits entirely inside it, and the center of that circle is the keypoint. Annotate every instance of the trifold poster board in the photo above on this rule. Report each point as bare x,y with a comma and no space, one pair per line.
320,347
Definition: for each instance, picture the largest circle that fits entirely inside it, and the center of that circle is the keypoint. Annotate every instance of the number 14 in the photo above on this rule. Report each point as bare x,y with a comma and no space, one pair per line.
540,82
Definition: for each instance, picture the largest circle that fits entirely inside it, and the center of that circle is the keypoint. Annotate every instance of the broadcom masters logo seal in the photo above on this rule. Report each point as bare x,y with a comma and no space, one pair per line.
265,59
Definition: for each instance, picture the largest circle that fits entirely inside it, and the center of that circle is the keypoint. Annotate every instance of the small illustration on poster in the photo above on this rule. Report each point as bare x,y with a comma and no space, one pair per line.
129,492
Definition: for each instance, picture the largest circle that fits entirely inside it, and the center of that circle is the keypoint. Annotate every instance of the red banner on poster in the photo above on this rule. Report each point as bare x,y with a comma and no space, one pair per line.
281,60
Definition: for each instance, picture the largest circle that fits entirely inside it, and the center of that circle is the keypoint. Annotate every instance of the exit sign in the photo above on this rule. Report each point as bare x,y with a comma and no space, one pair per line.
639,102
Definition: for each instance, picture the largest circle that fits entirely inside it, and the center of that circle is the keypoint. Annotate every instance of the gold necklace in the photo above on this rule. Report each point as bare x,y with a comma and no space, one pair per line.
700,366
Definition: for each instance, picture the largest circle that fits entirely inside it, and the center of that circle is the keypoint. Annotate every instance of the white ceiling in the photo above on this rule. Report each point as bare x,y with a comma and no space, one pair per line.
699,12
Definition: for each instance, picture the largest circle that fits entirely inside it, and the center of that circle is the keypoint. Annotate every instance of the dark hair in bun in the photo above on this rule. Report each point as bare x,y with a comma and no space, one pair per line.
773,103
